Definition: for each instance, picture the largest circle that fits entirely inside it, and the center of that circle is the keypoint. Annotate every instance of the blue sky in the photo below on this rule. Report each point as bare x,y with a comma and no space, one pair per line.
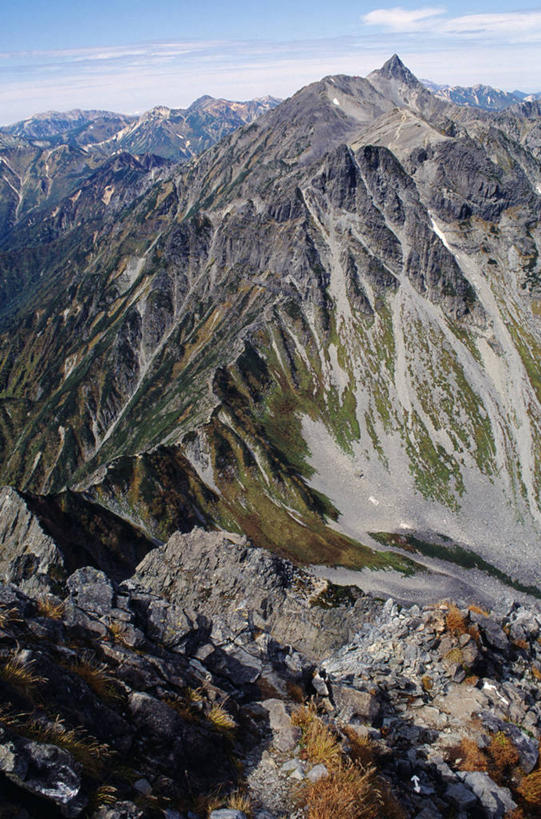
129,55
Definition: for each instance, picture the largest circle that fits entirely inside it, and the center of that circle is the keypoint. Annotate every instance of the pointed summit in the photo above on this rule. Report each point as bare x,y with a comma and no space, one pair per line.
394,68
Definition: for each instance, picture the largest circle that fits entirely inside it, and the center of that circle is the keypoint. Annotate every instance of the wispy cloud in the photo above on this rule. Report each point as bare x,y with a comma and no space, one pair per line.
403,20
175,72
513,26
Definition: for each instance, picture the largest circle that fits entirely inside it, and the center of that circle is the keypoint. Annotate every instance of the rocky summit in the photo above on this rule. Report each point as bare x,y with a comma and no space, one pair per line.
270,435
190,690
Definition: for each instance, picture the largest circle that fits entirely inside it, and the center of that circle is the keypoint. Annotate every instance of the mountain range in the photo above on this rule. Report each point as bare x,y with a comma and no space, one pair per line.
321,328
48,156
480,96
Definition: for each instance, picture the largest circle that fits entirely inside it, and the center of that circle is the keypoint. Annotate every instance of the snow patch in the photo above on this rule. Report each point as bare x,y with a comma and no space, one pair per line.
440,234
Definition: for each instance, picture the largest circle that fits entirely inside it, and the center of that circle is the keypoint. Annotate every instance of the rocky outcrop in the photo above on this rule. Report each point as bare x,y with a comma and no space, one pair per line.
28,556
43,539
224,575
130,700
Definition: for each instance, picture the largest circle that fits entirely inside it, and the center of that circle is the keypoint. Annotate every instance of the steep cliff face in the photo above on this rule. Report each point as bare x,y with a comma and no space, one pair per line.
326,326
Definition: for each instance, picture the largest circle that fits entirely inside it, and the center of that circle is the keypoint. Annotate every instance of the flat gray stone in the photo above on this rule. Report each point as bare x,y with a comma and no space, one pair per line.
318,772
496,801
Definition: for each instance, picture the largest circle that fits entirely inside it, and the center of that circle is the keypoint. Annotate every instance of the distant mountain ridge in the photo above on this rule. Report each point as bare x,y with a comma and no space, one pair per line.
173,133
46,157
479,96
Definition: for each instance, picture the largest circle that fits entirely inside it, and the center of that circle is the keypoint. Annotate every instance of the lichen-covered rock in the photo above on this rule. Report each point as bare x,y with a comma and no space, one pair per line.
44,770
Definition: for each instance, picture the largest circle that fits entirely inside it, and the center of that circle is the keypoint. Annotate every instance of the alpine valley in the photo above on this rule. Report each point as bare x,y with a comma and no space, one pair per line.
316,323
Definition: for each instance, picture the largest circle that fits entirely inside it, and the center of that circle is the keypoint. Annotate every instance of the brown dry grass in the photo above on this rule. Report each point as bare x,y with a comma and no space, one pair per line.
478,610
455,621
536,672
221,719
183,708
49,607
469,757
353,789
239,800
194,694
499,759
19,674
361,749
85,748
350,792
303,716
8,616
104,795
427,682
320,744
97,678
119,633
295,692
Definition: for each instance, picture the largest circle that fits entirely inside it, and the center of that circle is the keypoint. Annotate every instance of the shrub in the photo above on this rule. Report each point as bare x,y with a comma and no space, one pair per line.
455,621
530,789
469,757
504,755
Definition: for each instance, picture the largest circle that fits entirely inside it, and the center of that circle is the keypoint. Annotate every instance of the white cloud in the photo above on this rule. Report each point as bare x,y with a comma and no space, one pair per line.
400,19
513,26
130,80
508,24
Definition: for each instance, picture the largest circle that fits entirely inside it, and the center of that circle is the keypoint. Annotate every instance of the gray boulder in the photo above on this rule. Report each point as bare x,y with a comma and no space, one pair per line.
43,770
496,801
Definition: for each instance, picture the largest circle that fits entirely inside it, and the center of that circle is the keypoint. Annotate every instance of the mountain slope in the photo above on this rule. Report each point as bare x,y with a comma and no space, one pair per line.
325,327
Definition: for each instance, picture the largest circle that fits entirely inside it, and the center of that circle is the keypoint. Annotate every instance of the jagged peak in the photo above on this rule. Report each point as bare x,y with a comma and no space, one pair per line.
394,68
